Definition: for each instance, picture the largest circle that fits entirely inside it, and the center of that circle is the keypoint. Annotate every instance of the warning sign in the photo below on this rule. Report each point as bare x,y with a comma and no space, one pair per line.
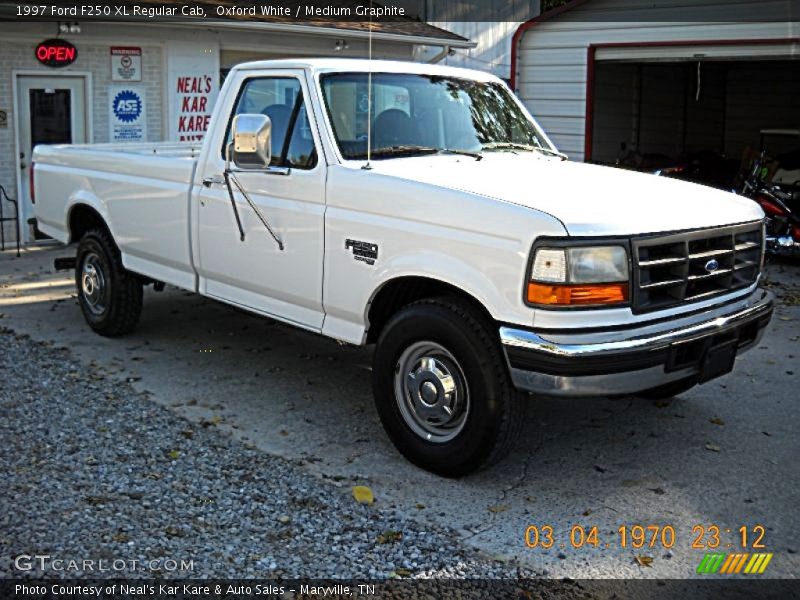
126,63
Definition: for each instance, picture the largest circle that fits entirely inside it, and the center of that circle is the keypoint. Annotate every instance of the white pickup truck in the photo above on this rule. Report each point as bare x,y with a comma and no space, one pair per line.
421,209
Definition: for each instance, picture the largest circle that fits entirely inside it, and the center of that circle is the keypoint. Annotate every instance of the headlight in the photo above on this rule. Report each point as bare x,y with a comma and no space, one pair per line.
582,276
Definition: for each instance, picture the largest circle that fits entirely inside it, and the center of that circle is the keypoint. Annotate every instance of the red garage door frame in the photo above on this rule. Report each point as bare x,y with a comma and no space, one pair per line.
591,59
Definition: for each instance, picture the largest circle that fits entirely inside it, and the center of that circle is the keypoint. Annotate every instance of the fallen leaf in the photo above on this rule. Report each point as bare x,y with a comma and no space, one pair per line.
402,572
587,512
284,519
174,454
643,561
716,421
363,494
187,433
662,403
419,506
712,447
657,491
498,508
390,536
784,318
600,469
120,537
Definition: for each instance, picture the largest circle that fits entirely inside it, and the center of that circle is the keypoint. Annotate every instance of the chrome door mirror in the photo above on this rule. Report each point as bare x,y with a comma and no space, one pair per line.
251,147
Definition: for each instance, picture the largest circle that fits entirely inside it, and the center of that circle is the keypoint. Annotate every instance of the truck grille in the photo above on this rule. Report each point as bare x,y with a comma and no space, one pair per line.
675,269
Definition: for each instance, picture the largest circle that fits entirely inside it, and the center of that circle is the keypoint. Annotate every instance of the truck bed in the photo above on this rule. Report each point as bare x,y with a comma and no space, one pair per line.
145,186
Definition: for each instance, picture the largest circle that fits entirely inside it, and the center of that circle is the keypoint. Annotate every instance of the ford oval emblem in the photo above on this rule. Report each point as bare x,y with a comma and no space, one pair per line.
712,265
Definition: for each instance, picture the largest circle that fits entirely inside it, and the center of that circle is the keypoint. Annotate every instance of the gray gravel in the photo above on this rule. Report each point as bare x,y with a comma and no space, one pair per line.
94,470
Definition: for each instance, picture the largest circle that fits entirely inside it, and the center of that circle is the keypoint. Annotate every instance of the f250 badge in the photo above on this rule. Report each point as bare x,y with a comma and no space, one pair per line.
364,251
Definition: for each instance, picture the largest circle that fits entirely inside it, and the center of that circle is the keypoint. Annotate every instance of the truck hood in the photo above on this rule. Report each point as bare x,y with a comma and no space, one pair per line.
587,199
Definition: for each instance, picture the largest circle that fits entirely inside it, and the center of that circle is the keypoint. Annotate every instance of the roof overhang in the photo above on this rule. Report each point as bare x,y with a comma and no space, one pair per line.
337,32
327,31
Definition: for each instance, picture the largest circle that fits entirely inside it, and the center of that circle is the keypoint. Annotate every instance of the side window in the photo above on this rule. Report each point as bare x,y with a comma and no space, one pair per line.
281,99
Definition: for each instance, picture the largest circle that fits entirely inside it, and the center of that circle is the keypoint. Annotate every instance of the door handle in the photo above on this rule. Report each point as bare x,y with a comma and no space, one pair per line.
215,180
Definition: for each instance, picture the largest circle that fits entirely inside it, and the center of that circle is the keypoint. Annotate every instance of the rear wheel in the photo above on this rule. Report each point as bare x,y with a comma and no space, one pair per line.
110,297
442,389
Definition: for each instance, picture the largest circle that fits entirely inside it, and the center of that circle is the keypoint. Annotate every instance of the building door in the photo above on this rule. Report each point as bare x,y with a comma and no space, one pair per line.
51,110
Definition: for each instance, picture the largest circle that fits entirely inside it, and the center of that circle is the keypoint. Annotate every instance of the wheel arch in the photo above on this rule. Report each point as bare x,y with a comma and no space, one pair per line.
397,292
82,216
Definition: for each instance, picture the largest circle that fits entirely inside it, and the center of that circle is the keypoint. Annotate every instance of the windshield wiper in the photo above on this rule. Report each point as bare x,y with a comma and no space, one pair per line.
527,147
475,155
407,150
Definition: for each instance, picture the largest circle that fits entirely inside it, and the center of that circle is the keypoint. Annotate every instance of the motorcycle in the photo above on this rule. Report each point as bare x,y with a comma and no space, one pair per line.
778,197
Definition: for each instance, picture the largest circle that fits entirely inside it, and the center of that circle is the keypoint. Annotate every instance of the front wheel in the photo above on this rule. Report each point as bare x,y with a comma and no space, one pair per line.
110,296
442,389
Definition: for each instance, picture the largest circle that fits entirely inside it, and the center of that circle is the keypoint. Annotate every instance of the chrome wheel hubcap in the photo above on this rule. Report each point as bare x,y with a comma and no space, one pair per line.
431,392
93,284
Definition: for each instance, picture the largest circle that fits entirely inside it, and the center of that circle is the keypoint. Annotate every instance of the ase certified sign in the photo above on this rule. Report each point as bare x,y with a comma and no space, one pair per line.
127,114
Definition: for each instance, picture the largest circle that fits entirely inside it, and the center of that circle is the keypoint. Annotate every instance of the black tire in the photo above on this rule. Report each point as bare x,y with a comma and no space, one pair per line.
668,390
462,344
110,297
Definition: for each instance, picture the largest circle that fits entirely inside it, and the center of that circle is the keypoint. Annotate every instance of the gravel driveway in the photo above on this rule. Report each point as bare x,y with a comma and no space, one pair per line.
283,425
94,470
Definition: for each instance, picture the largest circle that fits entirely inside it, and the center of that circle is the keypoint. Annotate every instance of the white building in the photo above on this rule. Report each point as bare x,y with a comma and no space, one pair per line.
490,24
151,81
660,76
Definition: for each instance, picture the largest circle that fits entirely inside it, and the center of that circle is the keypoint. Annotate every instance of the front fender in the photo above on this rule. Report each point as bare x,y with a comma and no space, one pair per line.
445,269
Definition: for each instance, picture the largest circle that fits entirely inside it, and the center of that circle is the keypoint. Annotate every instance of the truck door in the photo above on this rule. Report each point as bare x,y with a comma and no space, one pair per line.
290,194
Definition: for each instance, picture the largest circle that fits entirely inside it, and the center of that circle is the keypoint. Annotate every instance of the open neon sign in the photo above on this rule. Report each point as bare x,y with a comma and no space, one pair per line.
56,53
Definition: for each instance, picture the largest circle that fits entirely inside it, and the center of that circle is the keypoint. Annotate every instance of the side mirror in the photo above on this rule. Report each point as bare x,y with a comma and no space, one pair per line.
252,142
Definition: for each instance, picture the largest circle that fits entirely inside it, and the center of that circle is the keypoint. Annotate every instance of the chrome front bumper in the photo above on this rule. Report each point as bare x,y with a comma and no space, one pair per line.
604,362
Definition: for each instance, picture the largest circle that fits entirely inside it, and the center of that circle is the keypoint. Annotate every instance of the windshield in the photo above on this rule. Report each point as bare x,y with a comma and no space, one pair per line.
424,114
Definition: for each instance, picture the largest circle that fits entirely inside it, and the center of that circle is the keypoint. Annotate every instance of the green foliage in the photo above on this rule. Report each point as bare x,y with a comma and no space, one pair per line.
551,4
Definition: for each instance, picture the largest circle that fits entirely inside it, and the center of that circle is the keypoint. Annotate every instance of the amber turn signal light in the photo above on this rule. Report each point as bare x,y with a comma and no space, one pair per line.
577,295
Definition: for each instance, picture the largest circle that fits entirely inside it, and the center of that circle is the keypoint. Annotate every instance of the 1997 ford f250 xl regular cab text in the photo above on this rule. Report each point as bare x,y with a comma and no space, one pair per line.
480,263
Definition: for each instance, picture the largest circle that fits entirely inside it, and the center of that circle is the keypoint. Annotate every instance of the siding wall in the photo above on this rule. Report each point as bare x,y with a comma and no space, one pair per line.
489,23
552,60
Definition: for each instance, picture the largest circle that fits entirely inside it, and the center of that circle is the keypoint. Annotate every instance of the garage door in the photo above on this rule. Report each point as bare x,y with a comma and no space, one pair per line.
656,108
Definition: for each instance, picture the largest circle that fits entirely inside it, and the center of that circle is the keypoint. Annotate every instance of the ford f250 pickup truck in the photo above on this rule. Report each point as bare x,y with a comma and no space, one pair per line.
422,209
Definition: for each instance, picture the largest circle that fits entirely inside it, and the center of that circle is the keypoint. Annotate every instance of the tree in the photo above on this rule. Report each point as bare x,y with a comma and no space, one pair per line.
551,4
